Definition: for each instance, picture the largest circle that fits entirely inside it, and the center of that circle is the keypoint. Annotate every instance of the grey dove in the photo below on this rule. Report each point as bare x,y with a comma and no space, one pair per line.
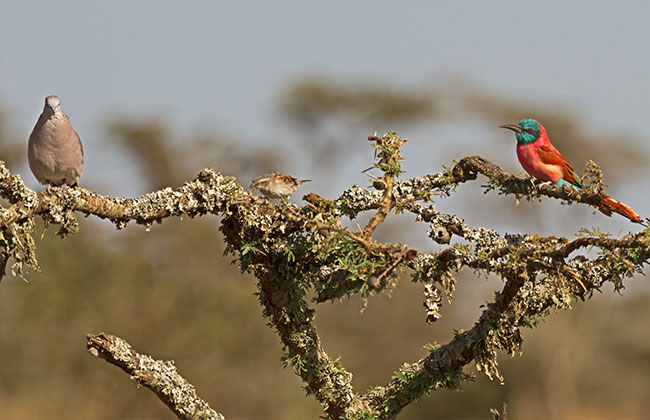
55,153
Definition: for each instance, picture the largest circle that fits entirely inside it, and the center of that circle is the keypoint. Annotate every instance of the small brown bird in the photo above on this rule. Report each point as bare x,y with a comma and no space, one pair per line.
276,185
55,153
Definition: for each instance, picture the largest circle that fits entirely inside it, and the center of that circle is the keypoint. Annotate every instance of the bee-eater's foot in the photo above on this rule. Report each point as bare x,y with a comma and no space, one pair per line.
534,183
537,182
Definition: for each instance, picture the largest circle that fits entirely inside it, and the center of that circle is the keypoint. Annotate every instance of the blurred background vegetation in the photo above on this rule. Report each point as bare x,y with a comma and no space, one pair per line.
172,294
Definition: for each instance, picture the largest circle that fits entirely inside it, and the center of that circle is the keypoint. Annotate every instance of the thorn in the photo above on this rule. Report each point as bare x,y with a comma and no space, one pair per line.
577,278
365,305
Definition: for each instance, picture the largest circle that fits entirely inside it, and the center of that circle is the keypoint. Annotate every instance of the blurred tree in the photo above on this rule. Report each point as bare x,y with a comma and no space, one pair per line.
328,114
153,146
312,102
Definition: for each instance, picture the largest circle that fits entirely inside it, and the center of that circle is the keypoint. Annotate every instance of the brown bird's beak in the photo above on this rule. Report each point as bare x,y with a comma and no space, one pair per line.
513,127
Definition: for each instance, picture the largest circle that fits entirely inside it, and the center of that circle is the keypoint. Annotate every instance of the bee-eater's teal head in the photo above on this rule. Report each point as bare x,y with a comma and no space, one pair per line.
527,131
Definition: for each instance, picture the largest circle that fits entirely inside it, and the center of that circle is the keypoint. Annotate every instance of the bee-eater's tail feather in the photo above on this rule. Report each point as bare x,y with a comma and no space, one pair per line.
609,205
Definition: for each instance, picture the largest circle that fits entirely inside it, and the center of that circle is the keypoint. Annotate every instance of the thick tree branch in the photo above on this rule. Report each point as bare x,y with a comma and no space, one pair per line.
159,376
211,191
443,366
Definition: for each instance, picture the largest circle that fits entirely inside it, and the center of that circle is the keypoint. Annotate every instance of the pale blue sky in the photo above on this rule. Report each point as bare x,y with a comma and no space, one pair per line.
221,64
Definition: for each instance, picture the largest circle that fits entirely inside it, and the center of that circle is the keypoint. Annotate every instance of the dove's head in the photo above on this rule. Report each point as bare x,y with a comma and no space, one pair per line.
52,104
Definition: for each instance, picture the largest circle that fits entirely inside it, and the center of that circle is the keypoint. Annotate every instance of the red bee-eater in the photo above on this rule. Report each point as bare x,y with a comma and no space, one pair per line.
542,161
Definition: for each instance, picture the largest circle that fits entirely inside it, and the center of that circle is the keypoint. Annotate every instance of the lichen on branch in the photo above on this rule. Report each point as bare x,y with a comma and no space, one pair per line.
159,376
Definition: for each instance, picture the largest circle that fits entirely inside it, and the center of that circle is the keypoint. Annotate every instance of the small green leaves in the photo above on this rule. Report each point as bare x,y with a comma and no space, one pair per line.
247,247
431,346
593,231
388,154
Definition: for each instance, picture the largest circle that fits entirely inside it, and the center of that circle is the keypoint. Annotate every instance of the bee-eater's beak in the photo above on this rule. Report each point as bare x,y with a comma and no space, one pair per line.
513,127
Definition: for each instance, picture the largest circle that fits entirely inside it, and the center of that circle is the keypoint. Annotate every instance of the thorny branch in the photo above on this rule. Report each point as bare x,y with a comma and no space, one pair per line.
298,252
389,157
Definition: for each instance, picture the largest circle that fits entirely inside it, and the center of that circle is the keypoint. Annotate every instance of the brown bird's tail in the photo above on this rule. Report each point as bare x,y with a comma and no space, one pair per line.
609,205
